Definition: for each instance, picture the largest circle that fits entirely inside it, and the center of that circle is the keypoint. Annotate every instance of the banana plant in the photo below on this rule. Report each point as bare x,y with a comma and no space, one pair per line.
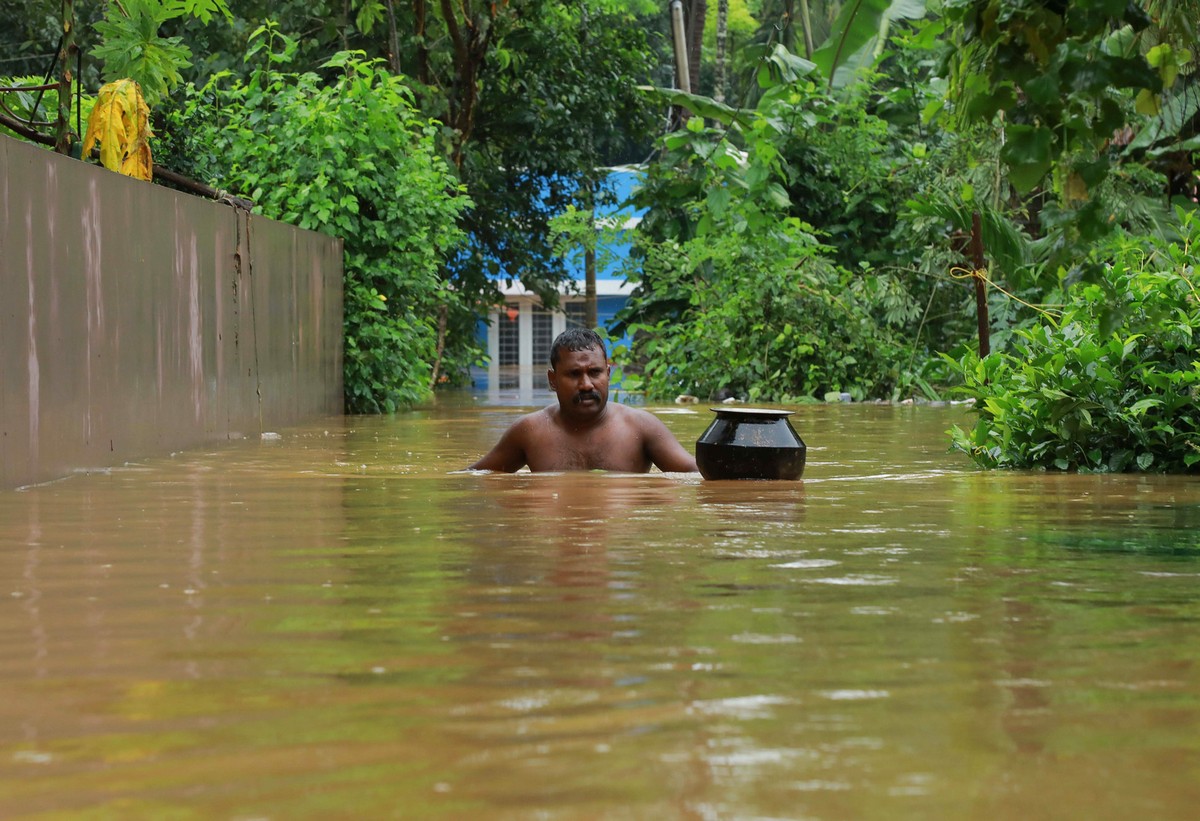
859,35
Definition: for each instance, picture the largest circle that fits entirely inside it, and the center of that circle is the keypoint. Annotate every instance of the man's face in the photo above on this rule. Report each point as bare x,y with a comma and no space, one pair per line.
580,380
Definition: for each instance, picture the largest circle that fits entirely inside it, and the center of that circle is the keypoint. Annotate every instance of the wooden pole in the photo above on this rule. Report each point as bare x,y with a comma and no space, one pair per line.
722,34
65,136
590,302
591,314
806,22
683,77
981,308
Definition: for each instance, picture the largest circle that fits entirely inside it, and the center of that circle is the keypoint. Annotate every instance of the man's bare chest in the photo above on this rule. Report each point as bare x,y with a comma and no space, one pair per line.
611,448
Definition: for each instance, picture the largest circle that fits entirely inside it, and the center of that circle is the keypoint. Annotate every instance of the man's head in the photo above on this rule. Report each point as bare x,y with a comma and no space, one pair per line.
575,339
579,373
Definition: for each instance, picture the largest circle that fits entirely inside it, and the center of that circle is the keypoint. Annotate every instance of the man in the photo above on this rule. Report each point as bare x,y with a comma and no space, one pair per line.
585,432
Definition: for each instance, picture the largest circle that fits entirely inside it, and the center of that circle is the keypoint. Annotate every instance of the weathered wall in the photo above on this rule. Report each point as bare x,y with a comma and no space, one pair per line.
136,320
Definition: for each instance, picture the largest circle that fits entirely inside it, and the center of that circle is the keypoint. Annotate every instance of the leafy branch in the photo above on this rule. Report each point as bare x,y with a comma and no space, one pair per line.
133,48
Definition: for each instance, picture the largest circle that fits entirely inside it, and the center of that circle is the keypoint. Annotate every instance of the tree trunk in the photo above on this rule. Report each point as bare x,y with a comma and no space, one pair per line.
64,136
591,313
393,38
722,33
697,13
469,41
443,318
981,305
806,22
345,26
420,19
683,76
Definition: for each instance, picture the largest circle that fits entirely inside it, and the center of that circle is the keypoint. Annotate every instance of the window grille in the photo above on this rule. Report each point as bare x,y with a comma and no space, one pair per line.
543,329
509,335
575,314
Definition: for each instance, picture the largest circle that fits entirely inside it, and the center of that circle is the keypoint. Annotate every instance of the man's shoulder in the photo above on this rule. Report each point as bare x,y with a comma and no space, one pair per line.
637,417
535,420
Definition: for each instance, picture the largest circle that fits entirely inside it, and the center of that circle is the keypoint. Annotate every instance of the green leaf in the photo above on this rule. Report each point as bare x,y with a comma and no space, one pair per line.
856,37
131,48
370,12
718,201
1028,154
1147,103
1140,407
778,195
784,68
200,9
698,104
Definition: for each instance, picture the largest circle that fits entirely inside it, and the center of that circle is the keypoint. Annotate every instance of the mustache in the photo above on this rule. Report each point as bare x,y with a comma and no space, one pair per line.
579,397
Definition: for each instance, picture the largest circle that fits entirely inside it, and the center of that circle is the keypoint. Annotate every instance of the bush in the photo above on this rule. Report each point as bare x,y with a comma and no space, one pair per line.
348,157
762,314
1111,385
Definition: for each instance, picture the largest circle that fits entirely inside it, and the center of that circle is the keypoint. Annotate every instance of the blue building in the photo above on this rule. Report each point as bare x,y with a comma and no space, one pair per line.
518,334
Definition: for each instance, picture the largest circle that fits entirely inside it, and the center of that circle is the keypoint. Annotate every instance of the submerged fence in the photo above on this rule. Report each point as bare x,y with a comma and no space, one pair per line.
136,320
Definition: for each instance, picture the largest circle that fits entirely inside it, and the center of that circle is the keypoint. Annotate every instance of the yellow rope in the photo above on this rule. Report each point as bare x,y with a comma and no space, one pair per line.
958,272
1183,275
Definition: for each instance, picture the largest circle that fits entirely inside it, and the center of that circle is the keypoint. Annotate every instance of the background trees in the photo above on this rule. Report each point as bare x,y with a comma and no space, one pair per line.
526,100
1034,119
531,97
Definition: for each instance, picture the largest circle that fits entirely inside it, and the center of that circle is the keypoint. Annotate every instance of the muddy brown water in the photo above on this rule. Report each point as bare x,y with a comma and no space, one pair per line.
329,624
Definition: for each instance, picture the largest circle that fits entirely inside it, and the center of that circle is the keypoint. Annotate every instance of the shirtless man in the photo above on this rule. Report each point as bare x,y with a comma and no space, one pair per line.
585,432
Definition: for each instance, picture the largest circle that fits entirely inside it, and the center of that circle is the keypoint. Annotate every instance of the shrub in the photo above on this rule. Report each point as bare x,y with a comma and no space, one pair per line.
763,314
350,157
1111,385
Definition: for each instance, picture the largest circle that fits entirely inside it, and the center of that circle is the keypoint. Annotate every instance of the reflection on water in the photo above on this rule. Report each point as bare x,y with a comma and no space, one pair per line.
332,624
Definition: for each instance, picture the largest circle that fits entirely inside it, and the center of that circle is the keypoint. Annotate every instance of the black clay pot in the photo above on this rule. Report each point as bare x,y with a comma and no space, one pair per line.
750,443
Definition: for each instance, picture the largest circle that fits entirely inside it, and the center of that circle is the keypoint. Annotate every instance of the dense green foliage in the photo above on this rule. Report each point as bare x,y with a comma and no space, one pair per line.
133,46
889,171
787,215
560,105
1111,384
30,32
530,99
764,315
1061,82
349,157
527,100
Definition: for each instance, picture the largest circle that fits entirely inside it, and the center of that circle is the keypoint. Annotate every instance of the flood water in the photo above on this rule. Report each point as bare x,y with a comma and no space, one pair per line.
329,624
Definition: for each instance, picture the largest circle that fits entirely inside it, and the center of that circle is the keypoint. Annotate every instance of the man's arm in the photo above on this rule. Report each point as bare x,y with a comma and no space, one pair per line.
663,448
508,455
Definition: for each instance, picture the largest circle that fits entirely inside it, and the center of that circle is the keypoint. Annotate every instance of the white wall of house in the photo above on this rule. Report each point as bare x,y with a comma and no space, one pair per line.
519,334
519,337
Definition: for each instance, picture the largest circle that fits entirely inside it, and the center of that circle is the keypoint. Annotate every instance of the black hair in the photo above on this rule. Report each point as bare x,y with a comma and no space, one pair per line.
576,339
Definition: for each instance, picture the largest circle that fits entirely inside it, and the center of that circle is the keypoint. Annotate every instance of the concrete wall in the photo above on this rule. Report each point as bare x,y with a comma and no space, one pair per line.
136,320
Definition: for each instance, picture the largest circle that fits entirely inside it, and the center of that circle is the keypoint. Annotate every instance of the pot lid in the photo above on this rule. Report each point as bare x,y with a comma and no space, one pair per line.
761,413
